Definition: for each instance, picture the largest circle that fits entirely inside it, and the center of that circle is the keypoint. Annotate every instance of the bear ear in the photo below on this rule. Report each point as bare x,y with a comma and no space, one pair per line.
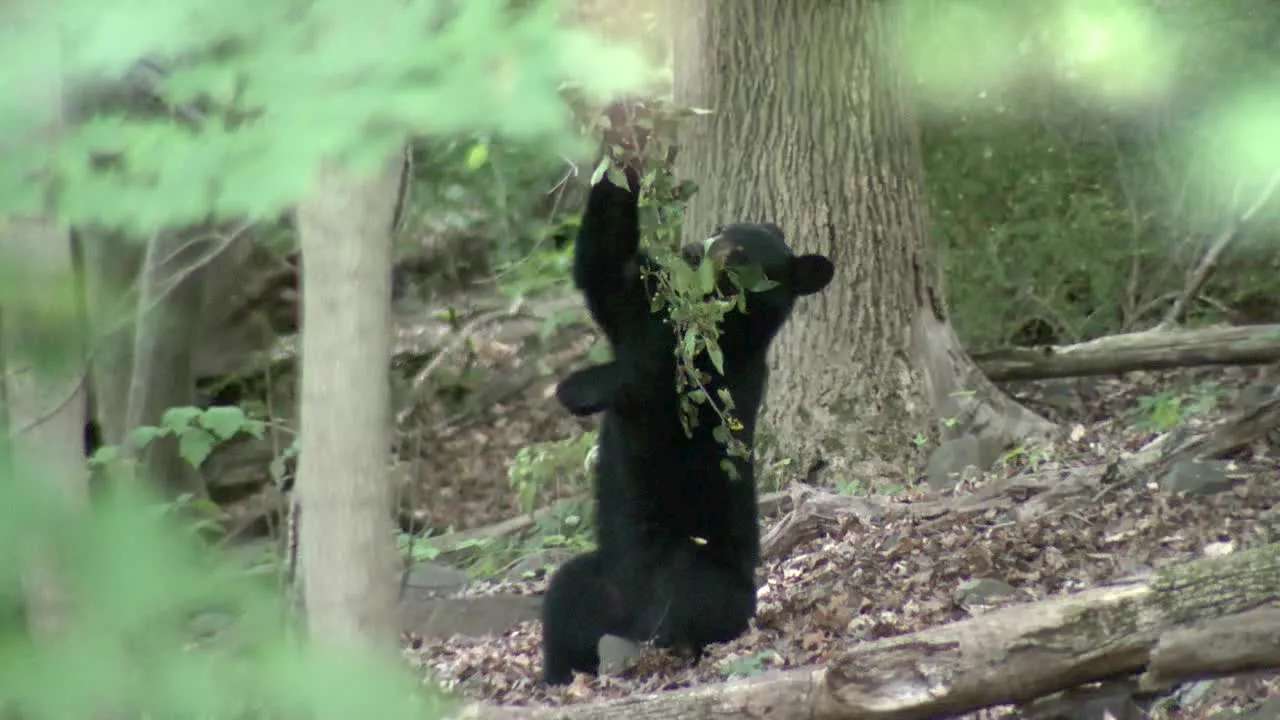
811,273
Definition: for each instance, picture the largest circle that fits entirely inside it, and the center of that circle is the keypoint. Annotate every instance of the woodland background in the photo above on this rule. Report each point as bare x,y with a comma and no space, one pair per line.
171,164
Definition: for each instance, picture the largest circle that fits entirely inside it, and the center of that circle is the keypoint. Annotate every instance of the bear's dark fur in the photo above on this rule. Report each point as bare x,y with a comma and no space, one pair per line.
678,538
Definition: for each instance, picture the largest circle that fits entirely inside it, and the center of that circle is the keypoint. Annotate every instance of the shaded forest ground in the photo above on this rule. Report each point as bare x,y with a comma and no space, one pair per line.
497,397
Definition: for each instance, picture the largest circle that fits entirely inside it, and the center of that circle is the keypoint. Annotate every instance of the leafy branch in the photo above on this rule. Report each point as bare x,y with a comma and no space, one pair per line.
694,302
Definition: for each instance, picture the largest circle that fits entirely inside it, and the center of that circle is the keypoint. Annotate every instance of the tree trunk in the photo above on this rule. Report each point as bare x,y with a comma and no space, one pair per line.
45,398
170,299
813,130
110,272
346,541
43,353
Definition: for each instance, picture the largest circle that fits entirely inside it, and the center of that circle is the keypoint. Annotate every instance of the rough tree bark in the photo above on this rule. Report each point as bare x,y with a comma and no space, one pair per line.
346,548
813,130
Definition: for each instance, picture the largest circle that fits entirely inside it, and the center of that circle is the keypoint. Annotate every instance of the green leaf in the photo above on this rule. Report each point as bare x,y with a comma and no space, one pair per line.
141,436
104,455
684,280
616,176
601,168
650,222
717,357
477,156
690,343
726,398
179,419
721,434
706,277
752,278
223,421
256,428
730,469
194,446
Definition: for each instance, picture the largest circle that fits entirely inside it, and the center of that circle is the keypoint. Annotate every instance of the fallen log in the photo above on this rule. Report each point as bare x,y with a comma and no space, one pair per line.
1210,617
1147,350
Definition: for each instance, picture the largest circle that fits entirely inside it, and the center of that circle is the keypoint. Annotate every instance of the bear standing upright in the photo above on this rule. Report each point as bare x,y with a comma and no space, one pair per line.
678,538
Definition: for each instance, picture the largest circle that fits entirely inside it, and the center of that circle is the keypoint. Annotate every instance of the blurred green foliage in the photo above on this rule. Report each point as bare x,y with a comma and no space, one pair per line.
281,87
1078,163
158,624
1086,153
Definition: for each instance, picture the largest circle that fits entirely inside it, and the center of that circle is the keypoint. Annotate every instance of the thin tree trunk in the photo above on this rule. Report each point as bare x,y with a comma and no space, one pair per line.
346,541
110,270
813,130
170,300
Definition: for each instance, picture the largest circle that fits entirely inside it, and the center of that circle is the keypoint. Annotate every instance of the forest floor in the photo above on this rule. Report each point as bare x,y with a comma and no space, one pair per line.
860,583
488,399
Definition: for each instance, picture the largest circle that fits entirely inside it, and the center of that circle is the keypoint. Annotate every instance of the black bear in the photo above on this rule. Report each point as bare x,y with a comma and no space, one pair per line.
677,537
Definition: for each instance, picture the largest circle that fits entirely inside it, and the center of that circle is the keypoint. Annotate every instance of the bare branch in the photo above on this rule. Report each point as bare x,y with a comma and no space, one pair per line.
1201,273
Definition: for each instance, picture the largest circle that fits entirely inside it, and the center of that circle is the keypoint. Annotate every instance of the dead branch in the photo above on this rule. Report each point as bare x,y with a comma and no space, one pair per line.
1155,349
1196,278
1210,617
